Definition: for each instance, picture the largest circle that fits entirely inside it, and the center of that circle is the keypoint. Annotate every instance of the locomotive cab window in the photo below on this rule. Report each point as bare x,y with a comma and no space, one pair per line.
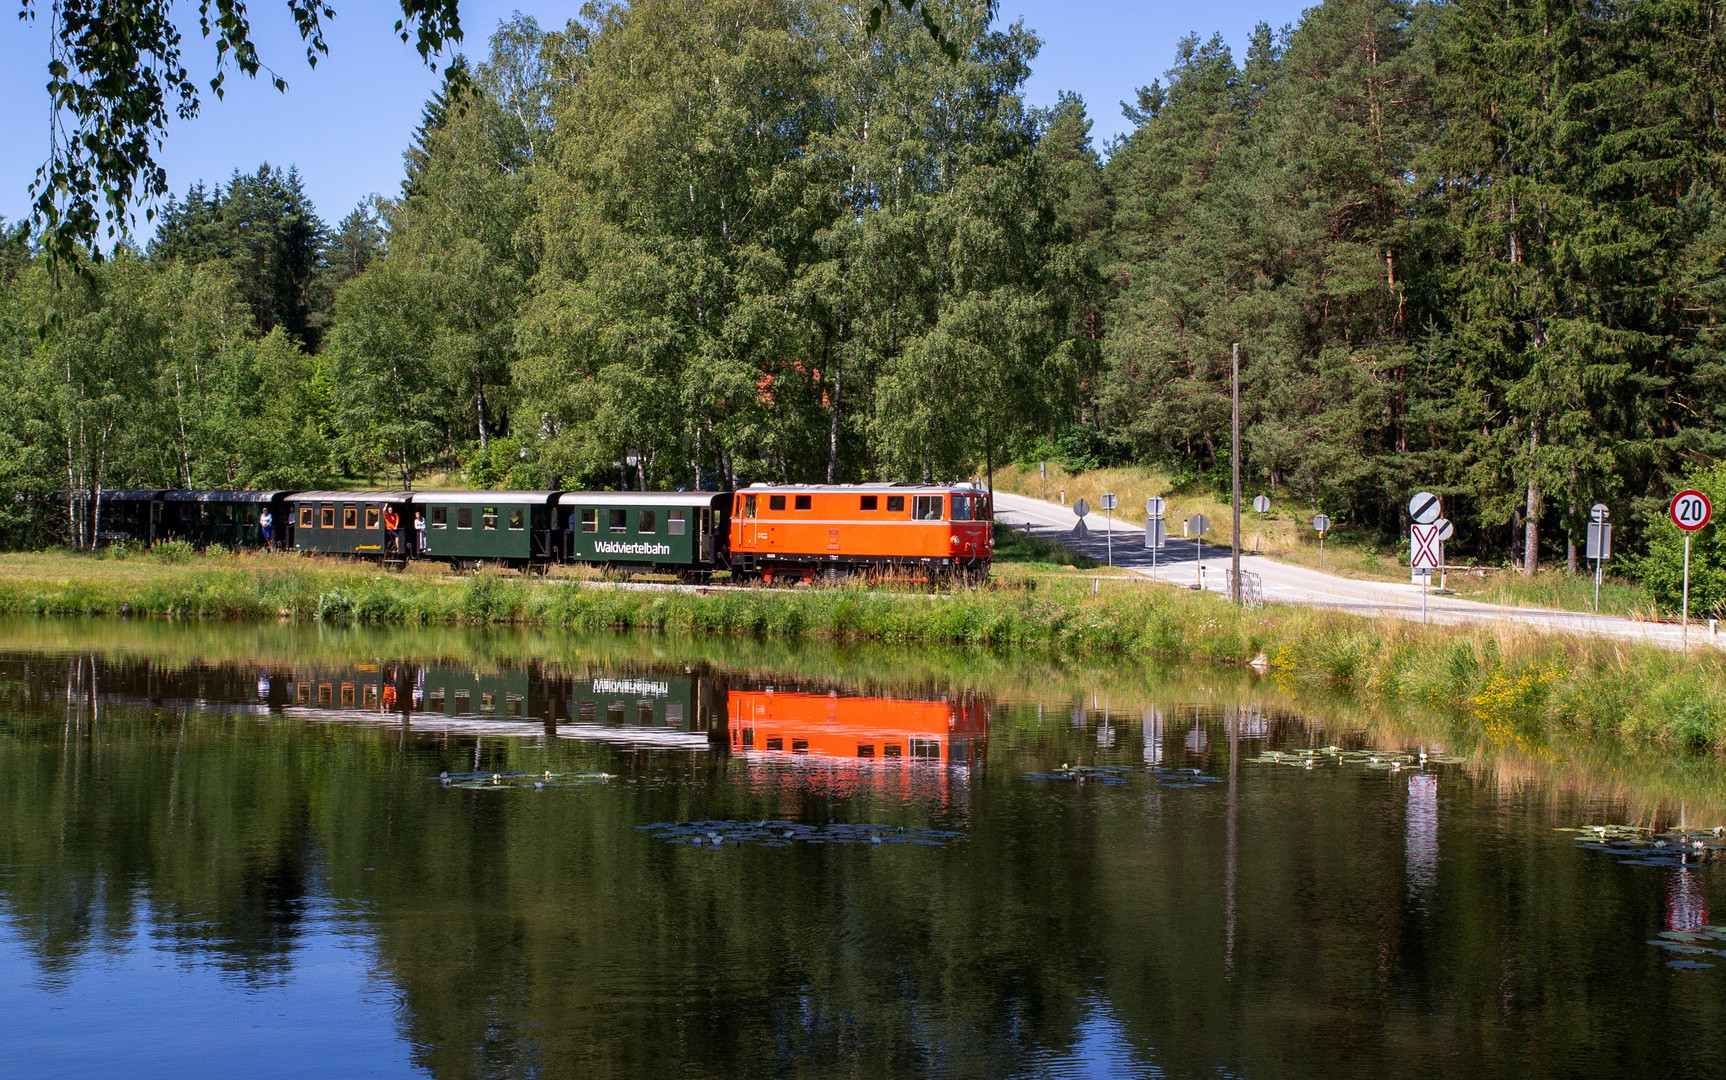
775,502
646,522
895,504
618,520
869,502
371,517
961,508
305,517
464,517
674,522
590,521
515,519
350,517
926,507
488,518
748,506
803,502
328,518
440,517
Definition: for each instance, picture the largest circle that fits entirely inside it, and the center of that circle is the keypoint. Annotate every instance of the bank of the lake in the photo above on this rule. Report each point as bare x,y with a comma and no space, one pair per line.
1509,681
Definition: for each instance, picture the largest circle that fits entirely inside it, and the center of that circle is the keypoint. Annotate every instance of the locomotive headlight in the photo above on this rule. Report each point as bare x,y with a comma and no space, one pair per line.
955,541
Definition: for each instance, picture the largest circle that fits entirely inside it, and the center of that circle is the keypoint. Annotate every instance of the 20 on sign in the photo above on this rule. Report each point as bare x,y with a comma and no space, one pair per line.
1691,510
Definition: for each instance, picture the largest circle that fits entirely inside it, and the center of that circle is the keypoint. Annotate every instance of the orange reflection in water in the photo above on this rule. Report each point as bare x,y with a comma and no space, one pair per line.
862,729
847,746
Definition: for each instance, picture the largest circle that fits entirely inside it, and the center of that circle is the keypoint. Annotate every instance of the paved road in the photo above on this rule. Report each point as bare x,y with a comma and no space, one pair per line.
1178,563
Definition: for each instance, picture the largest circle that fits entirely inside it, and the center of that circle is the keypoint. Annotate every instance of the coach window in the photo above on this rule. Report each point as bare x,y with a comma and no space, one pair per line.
350,517
895,504
803,502
327,518
748,506
775,502
590,521
870,502
926,507
618,520
440,517
371,517
674,522
464,517
305,517
185,511
961,508
515,516
488,518
646,522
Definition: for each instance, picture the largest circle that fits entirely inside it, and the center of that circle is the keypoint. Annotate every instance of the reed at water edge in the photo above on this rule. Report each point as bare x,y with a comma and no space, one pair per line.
1509,681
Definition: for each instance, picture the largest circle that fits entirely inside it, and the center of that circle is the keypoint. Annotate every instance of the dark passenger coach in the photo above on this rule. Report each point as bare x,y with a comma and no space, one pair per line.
375,524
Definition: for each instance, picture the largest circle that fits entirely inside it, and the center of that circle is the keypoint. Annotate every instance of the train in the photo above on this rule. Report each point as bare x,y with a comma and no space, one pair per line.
766,532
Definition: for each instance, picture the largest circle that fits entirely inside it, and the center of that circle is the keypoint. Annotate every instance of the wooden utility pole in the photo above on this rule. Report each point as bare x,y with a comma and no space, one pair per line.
1235,467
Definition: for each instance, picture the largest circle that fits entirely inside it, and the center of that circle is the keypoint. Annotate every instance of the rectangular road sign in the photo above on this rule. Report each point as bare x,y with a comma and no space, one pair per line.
1423,552
1155,533
1599,540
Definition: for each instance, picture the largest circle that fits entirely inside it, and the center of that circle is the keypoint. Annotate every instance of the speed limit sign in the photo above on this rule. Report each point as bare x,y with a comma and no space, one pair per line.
1691,510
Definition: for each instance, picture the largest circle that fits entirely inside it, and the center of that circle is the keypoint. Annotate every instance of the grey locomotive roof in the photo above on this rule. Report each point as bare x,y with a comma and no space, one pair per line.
455,498
350,496
640,498
222,496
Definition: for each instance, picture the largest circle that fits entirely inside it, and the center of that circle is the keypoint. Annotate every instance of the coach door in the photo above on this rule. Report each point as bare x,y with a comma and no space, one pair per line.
704,529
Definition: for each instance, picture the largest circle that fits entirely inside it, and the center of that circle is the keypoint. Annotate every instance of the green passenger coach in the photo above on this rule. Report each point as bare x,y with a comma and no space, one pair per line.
678,531
373,524
513,527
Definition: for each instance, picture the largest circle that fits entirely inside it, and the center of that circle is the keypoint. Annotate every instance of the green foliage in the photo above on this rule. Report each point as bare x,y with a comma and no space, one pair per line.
1661,568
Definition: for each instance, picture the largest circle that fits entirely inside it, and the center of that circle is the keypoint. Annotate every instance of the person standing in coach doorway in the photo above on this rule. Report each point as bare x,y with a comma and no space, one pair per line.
266,528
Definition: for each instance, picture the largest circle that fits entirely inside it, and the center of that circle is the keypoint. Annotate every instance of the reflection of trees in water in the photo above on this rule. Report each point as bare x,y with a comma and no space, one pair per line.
541,934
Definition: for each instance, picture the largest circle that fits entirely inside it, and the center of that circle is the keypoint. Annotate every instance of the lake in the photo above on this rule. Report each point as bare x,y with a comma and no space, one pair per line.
300,851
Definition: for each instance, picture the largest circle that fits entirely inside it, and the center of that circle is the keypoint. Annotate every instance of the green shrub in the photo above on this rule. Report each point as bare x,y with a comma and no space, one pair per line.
172,552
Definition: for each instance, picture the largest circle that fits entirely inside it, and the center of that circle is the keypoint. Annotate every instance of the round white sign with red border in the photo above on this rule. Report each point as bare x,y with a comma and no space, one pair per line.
1691,510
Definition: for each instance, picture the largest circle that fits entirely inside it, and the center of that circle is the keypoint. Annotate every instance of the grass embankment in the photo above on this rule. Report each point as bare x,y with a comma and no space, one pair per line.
1288,536
1509,682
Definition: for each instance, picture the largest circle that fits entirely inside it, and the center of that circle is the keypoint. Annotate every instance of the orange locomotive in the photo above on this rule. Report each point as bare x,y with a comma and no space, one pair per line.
798,531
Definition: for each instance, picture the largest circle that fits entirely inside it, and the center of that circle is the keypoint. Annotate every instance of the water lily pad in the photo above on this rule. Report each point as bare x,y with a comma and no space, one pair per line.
1688,965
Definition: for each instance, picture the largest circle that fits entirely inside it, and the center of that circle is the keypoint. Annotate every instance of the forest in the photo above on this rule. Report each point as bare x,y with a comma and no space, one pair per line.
1472,246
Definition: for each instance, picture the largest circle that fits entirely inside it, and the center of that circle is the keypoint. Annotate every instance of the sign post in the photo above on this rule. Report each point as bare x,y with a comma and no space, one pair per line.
1445,532
1261,504
1599,544
1108,504
1197,526
1322,524
1423,556
1690,511
1043,471
1154,529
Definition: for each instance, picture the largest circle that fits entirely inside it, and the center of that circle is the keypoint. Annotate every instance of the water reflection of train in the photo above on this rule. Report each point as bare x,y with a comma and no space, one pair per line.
888,730
688,708
695,709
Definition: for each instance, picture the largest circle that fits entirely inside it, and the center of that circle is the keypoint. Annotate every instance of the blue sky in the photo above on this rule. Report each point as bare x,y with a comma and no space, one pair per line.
346,124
